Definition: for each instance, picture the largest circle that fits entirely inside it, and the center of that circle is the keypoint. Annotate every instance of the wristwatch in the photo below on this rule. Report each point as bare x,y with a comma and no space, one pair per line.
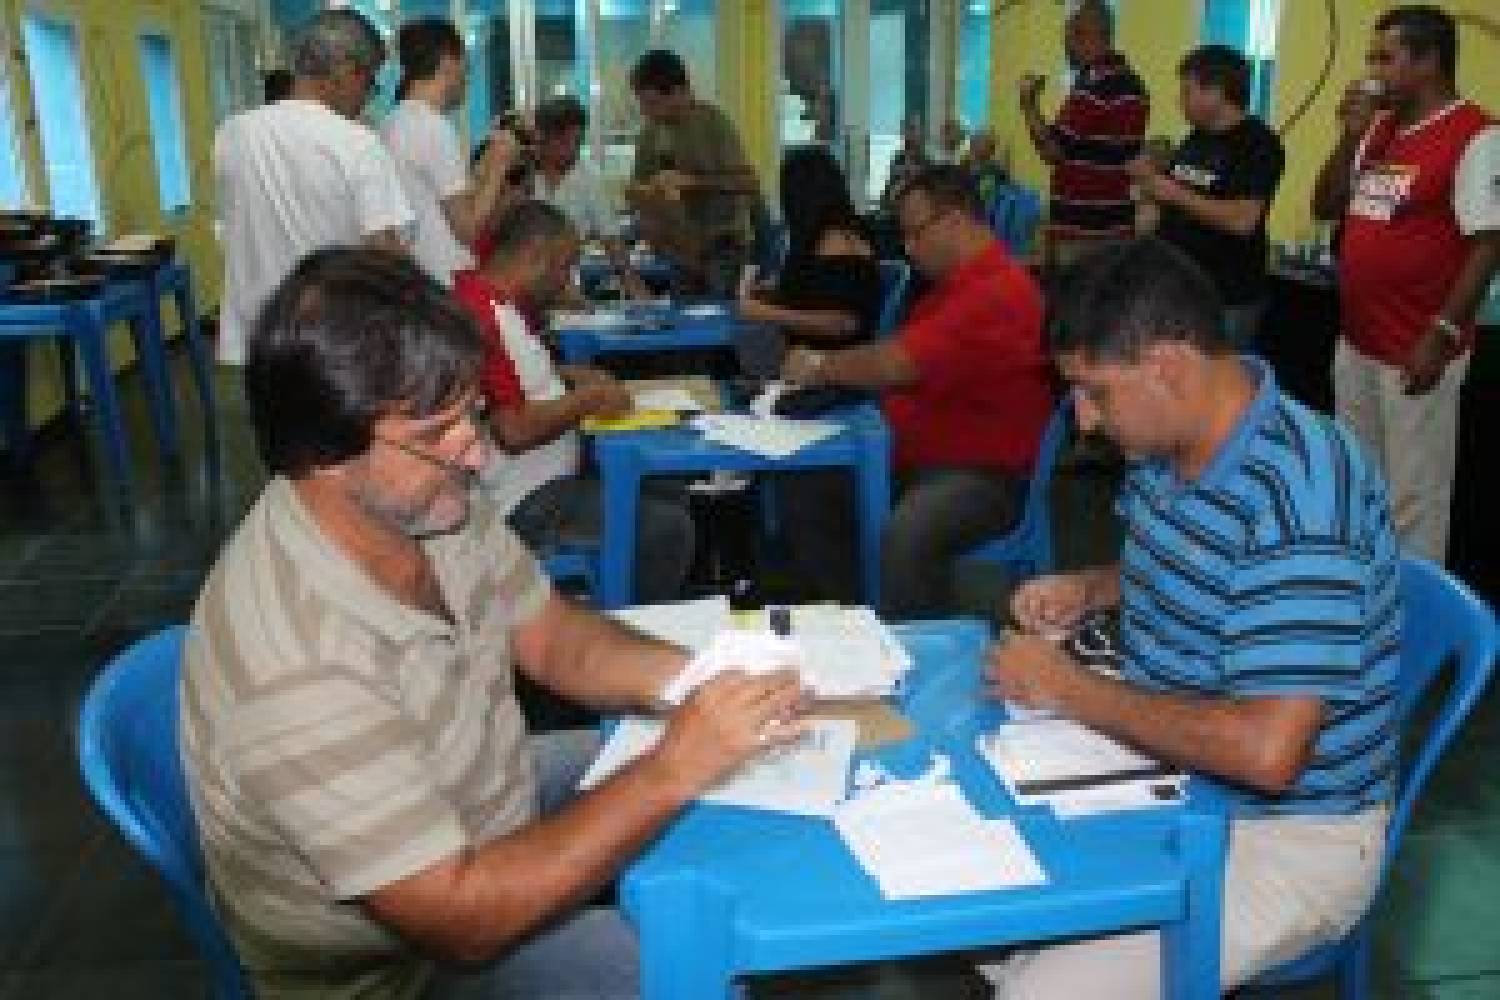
1451,330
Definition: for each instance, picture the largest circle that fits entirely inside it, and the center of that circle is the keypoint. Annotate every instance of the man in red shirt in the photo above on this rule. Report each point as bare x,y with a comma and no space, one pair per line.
536,406
1098,131
965,386
1418,189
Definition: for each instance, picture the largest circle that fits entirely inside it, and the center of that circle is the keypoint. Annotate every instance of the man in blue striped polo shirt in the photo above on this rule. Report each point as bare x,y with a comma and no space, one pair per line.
1259,619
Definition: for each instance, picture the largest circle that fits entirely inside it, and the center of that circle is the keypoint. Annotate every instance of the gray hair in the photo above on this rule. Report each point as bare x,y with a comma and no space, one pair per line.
332,37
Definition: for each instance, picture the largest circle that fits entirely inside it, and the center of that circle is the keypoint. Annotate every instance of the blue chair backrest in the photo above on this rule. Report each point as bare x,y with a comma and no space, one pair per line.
1444,624
127,751
1015,215
895,277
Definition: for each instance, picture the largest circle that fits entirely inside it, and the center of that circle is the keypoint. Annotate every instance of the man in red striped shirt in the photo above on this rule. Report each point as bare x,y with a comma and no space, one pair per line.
1418,188
1098,130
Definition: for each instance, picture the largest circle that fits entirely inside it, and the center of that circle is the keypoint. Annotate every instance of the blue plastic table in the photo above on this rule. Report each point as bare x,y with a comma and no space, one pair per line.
87,323
728,891
667,329
175,278
623,458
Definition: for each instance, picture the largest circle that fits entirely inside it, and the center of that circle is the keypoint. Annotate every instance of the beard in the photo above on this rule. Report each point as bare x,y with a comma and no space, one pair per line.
417,520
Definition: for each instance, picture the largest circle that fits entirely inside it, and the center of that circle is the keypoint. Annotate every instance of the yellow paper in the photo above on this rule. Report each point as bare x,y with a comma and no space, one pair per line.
640,420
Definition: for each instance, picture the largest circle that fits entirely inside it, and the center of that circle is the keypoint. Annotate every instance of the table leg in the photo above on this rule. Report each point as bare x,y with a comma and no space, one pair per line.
621,483
151,349
685,928
192,334
874,475
13,421
91,333
1190,947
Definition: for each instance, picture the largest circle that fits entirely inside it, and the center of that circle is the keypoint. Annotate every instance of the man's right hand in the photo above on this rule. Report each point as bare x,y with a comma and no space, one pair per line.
1357,109
1030,87
1051,606
727,721
603,399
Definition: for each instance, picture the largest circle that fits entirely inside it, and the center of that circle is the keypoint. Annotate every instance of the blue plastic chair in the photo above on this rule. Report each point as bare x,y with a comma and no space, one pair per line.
1027,549
1015,215
569,562
895,279
1444,627
127,750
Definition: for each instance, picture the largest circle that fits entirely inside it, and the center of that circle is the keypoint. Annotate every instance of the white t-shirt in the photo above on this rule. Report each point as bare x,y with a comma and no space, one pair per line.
293,177
431,165
512,477
580,196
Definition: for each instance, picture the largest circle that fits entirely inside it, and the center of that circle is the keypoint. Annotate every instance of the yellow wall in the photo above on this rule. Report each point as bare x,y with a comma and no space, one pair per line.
1155,34
108,31
746,48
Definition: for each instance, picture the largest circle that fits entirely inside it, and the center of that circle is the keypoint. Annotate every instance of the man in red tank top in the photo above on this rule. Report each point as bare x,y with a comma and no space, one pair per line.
1417,186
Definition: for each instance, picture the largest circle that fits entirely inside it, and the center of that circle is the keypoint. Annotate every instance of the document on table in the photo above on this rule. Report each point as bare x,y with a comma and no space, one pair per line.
808,777
1074,769
919,839
677,400
772,437
601,320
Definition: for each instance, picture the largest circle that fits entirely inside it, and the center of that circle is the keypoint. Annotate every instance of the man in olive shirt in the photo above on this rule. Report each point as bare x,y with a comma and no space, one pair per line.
372,810
692,184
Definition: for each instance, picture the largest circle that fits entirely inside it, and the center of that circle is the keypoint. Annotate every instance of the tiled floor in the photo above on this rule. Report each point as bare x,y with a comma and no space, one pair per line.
81,917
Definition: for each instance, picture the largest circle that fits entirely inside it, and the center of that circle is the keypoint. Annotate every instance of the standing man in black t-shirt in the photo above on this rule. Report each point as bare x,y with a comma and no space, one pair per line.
1215,194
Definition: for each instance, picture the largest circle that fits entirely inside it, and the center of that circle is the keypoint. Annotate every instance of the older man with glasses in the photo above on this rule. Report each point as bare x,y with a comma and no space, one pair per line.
375,818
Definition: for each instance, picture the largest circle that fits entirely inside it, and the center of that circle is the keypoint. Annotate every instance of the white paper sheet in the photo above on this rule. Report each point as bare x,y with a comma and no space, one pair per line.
920,839
808,777
678,400
1028,753
773,437
751,652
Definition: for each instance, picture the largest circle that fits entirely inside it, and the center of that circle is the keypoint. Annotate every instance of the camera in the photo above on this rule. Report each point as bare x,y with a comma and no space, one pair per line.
516,124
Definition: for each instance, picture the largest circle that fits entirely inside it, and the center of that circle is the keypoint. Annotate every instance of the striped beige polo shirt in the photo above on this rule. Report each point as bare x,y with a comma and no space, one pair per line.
337,740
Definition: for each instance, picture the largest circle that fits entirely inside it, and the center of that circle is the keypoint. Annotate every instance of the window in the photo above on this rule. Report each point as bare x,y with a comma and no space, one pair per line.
1249,26
975,27
168,136
234,82
14,191
57,91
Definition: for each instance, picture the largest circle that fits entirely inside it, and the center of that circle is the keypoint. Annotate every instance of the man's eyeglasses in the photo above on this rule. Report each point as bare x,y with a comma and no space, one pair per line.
474,415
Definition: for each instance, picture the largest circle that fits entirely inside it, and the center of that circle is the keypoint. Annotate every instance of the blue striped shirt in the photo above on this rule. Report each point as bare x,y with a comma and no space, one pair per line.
1274,573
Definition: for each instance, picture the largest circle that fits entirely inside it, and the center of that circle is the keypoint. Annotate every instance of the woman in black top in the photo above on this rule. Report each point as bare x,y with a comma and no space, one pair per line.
828,294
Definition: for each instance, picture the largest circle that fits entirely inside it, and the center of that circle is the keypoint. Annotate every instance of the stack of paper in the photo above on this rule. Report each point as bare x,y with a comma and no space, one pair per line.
773,437
600,320
1074,769
808,777
846,652
918,839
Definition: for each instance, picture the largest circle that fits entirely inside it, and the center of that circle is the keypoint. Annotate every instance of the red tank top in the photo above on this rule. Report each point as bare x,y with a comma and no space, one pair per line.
1402,247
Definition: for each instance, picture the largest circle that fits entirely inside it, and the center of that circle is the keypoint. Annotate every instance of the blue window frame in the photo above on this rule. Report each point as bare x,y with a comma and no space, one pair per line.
168,134
1250,26
62,115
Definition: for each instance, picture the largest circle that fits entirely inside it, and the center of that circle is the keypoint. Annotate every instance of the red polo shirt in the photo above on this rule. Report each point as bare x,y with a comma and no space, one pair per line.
983,392
482,298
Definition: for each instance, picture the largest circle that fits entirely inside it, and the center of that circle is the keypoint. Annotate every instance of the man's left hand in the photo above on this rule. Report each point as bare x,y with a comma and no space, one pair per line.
672,183
1424,367
1154,184
802,366
1033,672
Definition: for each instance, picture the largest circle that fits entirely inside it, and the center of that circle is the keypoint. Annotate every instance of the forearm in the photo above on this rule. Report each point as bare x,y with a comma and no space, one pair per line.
874,366
1473,282
1218,736
1041,135
737,180
510,886
594,660
813,322
1332,190
470,211
535,423
1235,216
